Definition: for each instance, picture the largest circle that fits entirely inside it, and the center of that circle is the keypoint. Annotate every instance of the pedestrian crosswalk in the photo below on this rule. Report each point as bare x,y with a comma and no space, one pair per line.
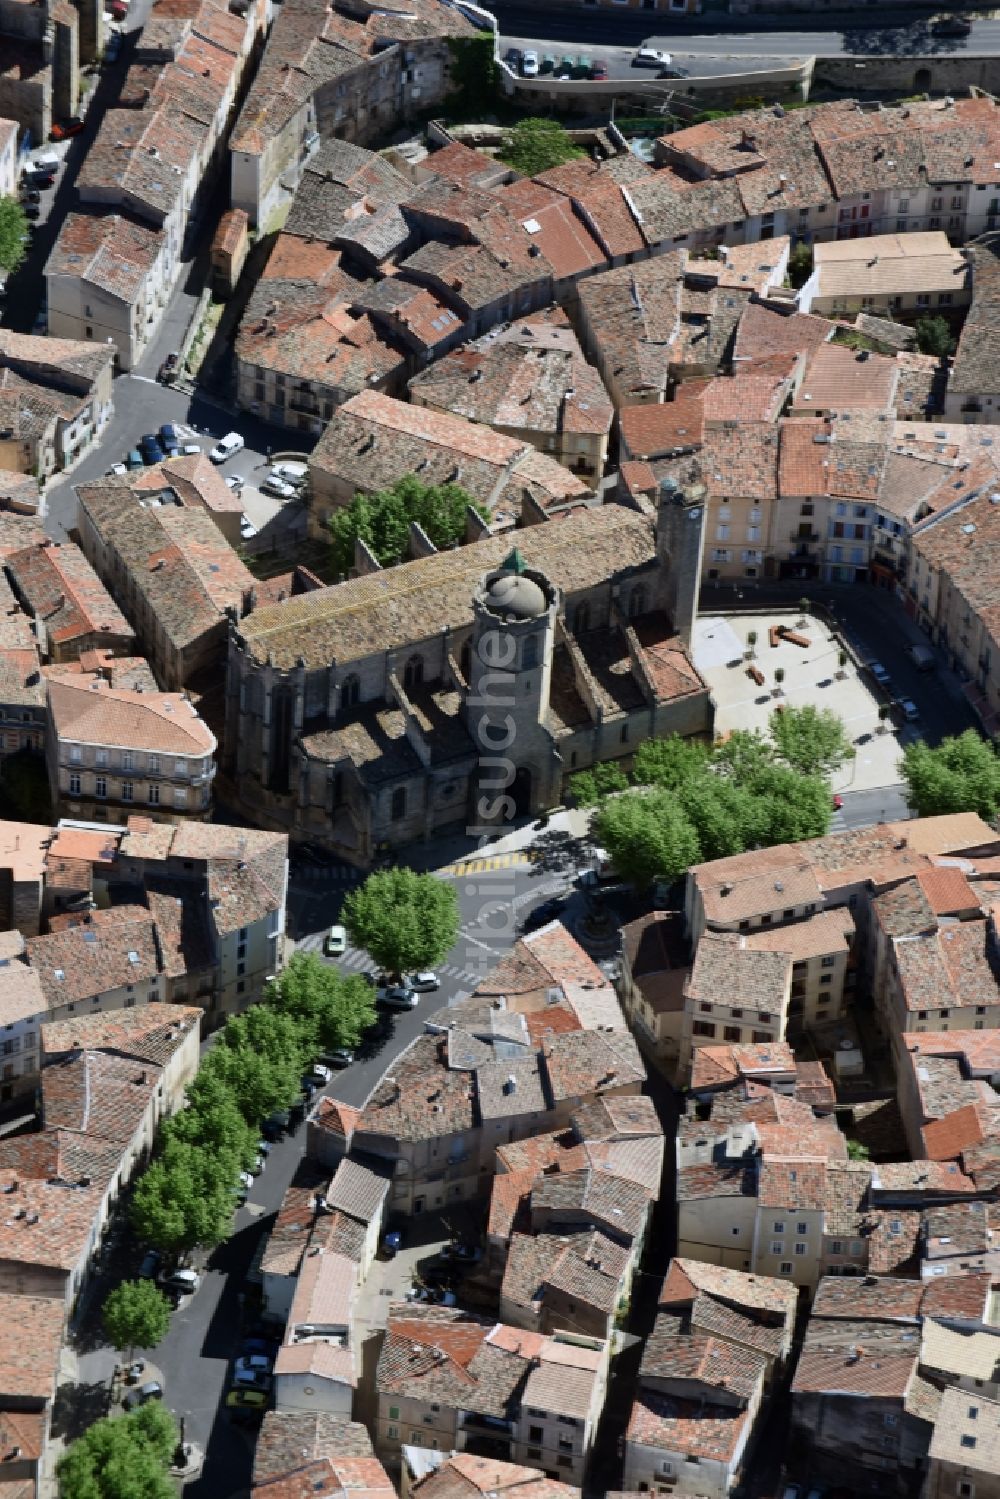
328,874
356,960
519,859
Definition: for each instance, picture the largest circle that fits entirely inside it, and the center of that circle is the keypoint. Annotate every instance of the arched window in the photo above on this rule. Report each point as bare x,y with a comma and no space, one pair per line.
529,656
581,619
413,676
350,692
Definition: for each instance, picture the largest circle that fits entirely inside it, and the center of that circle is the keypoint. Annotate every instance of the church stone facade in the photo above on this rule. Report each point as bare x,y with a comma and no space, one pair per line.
459,690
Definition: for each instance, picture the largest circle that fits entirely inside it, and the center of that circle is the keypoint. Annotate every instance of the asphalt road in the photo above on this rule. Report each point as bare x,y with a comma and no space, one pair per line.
890,32
619,59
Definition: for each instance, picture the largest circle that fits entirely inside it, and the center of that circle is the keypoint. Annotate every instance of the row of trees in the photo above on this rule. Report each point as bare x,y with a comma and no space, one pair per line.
382,520
185,1197
703,802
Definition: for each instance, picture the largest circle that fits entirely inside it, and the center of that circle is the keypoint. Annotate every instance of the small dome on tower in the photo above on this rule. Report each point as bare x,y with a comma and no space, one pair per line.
514,597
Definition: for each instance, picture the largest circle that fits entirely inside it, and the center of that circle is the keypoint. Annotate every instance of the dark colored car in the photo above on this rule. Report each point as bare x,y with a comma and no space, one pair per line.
151,1390
31,210
392,1242
512,57
952,26
40,179
598,70
168,438
674,71
65,128
168,367
32,195
543,914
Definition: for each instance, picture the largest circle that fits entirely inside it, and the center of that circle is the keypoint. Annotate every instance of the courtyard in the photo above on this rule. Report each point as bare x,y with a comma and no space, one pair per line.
812,674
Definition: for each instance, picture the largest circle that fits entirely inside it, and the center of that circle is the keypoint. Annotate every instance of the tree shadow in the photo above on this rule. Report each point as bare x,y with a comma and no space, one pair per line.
78,1406
559,852
908,39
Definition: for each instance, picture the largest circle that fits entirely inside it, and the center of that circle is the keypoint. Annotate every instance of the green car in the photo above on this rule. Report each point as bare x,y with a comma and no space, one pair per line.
582,66
547,64
564,67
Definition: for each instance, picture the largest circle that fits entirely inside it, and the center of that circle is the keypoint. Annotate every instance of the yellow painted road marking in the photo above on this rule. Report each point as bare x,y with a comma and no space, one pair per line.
481,865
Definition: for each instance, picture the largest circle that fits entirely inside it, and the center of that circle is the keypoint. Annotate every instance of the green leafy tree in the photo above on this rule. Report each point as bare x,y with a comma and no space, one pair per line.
856,1151
669,763
589,787
212,1120
122,1457
811,740
743,756
800,264
961,774
135,1315
648,837
934,336
330,1008
260,1060
792,806
184,1198
404,919
382,520
13,232
534,145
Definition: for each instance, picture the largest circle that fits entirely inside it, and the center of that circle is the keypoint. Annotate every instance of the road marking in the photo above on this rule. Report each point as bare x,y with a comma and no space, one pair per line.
519,859
146,379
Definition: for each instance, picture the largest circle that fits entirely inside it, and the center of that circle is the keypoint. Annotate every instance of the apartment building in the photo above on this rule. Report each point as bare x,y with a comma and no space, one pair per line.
171,570
963,1457
947,1085
652,975
888,274
373,441
533,384
450,1383
72,611
107,279
55,399
111,748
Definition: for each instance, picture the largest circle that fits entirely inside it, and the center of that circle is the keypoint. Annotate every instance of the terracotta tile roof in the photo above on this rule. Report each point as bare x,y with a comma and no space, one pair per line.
724,1065
462,1476
729,969
287,1439
108,950
688,1427
108,251
336,1477
919,1176
149,1033
947,1139
448,1361
962,1297
760,1293
881,1298
92,712
699,1358
885,1376
946,968
29,1353
826,932
892,1241
578,1063
587,1266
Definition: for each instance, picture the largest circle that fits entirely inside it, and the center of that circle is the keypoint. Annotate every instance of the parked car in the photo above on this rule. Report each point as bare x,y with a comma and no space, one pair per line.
247,528
674,71
150,1264
250,1379
248,1400
258,1165
399,997
466,1254
909,709
425,982
280,488
227,447
169,439
253,1363
529,64
116,470
63,129
952,26
651,57
184,1282
598,70
150,443
292,473
32,195
340,1056
263,1147
113,47
246,1180
275,1124
392,1242
267,1346
564,68
837,801
879,672
512,57
542,914
133,459
235,482
336,941
118,9
420,1293
31,210
922,657
151,1390
168,366
319,1075
548,64
39,178
582,66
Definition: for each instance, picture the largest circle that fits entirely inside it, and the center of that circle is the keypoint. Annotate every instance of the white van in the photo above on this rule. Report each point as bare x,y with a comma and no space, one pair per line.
47,162
226,447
